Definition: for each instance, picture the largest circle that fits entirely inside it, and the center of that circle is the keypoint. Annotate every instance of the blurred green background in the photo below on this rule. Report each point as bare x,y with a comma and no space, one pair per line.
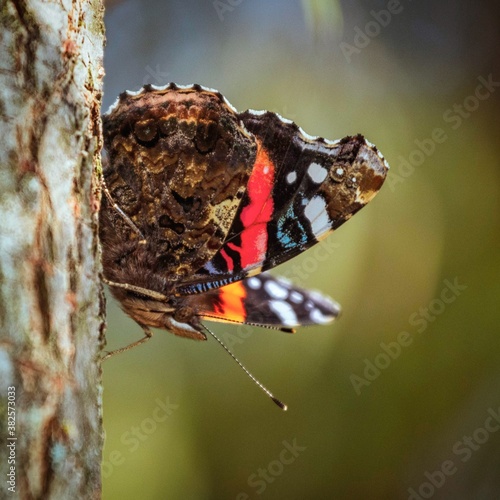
367,419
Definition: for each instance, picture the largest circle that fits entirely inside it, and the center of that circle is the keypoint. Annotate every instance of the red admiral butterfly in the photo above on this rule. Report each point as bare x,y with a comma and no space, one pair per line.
201,200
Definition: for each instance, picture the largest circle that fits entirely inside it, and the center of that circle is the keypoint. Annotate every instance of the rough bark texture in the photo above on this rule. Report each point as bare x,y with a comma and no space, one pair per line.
51,302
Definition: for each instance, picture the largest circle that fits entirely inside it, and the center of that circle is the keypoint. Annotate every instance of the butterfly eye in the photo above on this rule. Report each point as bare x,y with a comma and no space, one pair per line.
145,130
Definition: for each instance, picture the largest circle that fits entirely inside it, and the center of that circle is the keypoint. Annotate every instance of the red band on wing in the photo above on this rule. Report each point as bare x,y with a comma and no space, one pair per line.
229,261
258,212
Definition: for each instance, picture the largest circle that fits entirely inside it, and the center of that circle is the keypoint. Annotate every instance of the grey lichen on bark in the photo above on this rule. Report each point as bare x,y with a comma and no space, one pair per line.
51,301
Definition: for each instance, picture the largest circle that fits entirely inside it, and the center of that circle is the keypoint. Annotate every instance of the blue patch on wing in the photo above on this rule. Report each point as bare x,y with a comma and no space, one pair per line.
285,237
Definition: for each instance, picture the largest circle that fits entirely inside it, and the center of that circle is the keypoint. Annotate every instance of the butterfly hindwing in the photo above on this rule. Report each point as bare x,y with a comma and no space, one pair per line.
264,301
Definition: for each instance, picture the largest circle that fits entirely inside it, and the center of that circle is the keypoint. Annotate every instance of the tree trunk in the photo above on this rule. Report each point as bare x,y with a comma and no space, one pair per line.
51,300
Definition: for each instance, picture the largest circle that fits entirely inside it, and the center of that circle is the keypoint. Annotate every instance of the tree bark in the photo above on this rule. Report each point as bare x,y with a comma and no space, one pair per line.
51,300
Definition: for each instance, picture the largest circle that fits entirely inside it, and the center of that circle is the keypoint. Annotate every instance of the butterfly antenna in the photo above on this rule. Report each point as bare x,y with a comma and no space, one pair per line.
282,405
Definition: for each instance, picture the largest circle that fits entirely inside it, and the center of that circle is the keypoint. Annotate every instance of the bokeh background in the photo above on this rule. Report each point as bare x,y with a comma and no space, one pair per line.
420,264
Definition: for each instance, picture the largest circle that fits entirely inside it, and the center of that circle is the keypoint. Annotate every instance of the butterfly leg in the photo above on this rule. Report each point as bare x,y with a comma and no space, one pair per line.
148,335
125,217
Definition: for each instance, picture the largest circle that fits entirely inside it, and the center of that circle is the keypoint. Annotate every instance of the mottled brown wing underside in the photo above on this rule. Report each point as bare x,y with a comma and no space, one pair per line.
179,165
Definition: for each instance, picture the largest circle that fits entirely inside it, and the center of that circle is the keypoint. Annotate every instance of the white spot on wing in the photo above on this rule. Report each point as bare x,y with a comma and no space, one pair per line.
296,297
284,311
317,172
316,212
275,290
291,177
254,283
318,317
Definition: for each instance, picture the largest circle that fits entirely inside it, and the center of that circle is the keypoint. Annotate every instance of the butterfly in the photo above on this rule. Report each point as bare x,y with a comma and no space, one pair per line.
201,201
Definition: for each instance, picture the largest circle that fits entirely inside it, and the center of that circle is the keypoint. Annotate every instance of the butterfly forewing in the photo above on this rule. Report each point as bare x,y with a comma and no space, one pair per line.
299,190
